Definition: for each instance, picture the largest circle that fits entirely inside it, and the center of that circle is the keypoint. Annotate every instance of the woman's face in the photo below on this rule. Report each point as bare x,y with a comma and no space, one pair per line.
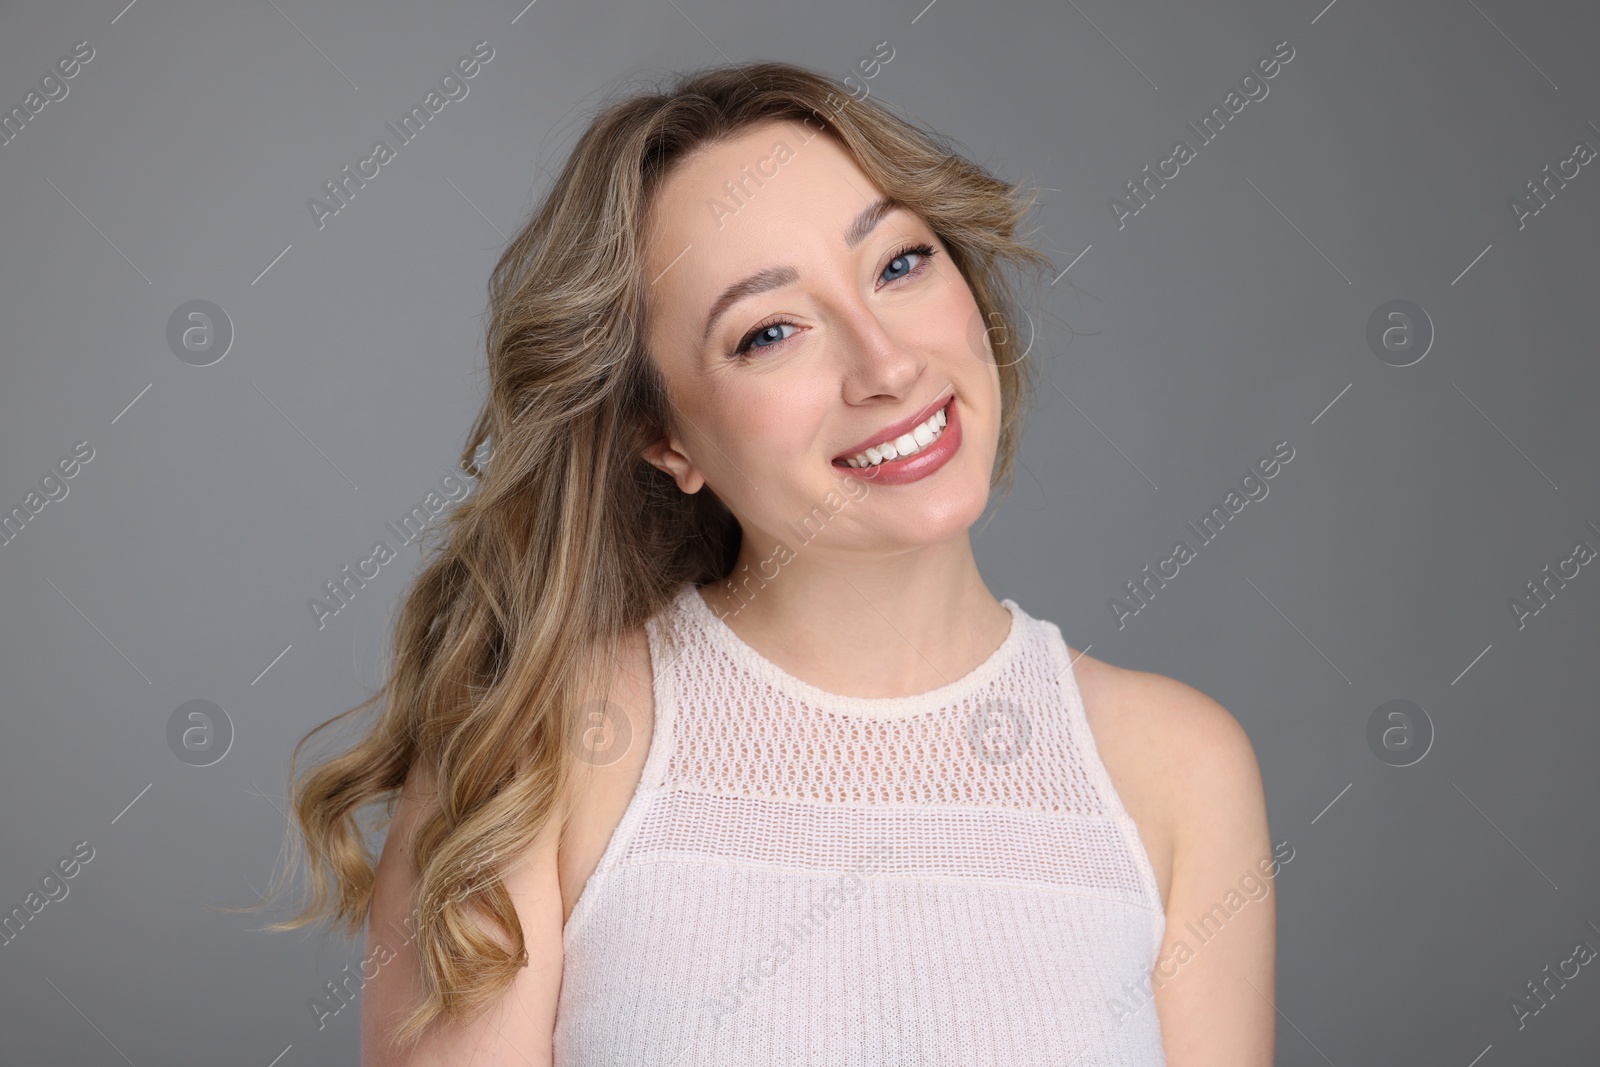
794,325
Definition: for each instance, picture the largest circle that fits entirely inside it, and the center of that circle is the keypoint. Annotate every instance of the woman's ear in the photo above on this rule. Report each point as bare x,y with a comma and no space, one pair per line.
664,456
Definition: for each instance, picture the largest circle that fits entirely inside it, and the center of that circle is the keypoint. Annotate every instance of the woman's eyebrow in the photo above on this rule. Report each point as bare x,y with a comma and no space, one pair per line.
769,278
870,216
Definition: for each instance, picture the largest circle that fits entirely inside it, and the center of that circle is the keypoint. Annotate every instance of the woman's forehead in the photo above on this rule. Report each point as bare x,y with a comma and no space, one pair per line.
733,207
766,172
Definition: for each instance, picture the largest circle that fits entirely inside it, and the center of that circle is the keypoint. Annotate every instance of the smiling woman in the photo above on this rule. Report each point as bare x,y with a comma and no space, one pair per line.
874,814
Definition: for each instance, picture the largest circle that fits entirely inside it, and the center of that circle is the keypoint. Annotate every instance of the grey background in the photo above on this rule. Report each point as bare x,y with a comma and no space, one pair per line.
1228,315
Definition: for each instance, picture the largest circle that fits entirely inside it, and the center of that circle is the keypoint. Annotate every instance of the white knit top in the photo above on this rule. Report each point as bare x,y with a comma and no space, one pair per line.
804,878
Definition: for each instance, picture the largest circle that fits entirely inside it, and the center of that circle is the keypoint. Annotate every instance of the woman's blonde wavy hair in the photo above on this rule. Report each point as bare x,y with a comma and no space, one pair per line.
571,538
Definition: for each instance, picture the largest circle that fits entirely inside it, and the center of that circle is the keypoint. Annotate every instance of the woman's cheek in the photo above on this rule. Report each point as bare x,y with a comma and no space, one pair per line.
981,336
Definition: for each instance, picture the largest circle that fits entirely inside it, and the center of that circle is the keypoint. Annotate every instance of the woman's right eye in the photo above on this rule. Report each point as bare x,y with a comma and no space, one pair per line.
762,333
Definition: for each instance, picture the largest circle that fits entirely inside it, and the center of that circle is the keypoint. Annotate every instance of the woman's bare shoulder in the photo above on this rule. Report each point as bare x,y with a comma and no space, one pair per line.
1171,720
1183,766
607,750
609,745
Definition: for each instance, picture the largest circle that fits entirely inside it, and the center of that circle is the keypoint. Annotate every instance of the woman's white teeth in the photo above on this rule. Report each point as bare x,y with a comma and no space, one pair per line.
920,436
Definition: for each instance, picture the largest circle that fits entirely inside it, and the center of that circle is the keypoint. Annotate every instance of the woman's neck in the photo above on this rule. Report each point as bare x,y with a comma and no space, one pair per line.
879,626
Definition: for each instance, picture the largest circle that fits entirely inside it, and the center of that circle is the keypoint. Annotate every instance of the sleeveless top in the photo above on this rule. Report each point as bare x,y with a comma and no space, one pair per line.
808,878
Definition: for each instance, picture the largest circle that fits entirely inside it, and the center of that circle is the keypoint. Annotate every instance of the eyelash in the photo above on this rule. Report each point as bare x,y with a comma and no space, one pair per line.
927,252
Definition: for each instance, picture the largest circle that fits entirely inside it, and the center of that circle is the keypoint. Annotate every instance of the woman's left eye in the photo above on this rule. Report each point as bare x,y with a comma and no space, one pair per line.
901,263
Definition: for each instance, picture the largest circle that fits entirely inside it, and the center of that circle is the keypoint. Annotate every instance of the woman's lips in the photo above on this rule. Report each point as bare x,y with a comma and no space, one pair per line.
890,432
918,466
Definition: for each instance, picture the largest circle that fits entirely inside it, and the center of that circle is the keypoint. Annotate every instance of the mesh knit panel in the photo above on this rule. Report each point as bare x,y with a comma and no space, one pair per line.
803,877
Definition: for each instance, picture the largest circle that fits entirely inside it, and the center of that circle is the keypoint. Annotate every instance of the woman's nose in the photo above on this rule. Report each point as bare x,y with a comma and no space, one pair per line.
875,359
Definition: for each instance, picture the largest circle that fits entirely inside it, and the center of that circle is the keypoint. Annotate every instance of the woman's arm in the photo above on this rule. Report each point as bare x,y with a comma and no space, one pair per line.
1214,977
514,1031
